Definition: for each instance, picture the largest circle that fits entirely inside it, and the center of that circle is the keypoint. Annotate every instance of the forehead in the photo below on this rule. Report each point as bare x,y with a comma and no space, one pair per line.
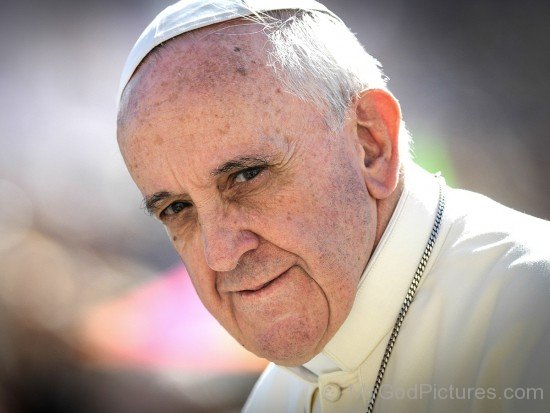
208,96
198,63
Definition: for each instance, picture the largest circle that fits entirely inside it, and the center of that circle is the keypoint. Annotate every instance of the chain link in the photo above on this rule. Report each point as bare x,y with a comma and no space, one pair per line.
410,295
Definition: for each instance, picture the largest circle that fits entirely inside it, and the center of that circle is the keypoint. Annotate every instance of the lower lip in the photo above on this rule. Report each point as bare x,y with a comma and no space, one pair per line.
267,288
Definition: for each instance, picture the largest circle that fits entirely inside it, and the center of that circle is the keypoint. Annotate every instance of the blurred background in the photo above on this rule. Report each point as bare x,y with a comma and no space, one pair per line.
96,312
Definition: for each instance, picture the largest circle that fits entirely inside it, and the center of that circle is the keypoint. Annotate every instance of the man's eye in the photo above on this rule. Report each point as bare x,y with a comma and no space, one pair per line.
174,208
248,174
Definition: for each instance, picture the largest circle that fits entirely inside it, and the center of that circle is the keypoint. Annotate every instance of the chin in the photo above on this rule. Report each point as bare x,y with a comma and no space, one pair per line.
289,359
289,345
293,362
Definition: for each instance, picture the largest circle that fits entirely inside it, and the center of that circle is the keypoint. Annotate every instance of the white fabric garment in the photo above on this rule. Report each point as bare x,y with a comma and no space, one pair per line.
476,338
187,15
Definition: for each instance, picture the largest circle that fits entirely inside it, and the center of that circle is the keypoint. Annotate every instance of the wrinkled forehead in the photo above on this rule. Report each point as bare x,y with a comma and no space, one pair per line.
202,100
229,54
207,96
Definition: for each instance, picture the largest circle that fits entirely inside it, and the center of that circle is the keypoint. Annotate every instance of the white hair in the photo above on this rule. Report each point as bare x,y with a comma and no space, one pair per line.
318,59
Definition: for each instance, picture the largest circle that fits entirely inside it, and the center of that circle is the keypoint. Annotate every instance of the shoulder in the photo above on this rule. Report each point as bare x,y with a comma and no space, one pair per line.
485,231
490,289
490,247
494,265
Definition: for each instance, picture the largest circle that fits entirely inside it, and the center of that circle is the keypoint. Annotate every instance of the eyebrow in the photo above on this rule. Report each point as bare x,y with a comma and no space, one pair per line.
151,202
238,163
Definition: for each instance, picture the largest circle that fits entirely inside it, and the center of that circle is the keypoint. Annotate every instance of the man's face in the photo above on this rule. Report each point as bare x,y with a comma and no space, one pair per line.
267,208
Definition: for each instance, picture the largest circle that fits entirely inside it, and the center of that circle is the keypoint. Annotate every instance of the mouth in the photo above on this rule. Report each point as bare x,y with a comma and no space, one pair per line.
263,288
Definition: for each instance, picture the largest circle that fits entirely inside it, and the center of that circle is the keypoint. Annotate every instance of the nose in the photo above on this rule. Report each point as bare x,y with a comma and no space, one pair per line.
225,239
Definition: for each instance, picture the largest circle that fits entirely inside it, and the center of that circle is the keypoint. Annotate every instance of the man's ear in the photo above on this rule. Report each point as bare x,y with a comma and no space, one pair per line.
378,119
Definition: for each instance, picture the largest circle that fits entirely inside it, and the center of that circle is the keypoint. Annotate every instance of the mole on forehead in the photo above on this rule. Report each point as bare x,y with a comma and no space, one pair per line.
200,64
231,54
223,71
234,41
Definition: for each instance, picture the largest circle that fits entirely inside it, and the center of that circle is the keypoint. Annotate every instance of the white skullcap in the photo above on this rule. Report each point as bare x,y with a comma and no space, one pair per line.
187,15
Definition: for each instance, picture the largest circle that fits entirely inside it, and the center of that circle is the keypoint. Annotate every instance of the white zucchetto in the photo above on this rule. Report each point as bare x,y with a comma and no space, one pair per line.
187,15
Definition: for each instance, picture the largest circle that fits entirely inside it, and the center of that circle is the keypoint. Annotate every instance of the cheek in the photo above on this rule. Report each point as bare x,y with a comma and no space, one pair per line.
331,221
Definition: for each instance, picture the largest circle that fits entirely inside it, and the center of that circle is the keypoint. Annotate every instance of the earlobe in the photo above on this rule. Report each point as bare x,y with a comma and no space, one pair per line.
378,119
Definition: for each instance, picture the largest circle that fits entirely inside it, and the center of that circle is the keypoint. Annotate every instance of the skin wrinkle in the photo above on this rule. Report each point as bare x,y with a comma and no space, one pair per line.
310,210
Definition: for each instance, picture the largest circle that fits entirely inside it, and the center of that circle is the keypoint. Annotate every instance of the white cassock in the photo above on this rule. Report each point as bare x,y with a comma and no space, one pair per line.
476,338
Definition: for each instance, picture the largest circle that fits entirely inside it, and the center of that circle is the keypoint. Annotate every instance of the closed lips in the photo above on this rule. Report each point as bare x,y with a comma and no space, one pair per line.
262,286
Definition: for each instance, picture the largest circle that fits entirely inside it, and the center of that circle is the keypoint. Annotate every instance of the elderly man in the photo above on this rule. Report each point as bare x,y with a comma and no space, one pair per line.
263,137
